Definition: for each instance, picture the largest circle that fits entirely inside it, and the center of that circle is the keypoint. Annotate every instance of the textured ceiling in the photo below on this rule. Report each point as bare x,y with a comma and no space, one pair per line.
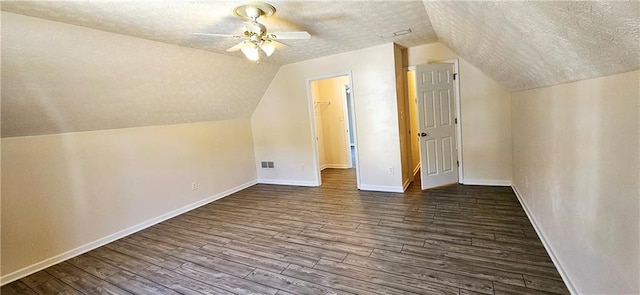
335,26
59,78
59,75
526,45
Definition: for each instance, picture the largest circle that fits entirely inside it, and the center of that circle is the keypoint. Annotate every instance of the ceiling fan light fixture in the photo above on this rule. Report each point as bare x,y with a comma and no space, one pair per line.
268,48
251,52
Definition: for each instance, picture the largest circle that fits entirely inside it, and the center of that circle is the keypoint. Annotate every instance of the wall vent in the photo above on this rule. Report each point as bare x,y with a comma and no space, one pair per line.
267,164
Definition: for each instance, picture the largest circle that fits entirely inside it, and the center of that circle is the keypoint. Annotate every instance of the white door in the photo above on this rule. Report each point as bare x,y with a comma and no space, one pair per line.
436,116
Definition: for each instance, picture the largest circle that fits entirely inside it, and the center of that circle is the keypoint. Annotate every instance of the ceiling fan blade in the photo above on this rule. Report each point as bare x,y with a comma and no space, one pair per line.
290,35
237,46
218,35
279,45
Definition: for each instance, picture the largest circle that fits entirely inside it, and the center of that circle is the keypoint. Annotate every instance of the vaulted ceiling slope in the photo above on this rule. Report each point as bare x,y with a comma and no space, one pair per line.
526,45
59,78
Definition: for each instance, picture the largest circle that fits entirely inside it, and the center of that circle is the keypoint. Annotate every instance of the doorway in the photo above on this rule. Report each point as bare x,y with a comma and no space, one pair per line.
435,123
334,129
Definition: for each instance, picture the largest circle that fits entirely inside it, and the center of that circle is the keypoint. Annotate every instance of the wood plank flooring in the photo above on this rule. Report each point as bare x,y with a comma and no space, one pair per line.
331,239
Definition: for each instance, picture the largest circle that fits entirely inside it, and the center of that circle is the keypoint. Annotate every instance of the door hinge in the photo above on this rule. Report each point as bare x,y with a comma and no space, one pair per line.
458,163
455,75
455,120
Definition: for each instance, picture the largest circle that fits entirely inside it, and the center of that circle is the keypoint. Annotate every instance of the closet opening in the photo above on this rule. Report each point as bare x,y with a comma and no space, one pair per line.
335,130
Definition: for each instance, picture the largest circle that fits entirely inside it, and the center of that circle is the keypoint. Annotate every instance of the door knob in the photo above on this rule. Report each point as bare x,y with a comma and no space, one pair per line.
423,134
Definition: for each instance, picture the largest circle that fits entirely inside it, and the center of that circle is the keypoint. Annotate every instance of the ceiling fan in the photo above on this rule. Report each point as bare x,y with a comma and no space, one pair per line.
255,34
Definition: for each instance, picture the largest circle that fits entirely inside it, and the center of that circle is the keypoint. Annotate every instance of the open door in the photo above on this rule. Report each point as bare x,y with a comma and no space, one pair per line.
437,119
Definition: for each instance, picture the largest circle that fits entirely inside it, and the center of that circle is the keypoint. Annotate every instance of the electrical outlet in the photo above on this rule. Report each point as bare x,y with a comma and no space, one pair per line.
390,170
194,185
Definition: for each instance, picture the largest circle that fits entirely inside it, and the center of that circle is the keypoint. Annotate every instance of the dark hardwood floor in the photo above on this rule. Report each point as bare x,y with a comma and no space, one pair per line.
331,239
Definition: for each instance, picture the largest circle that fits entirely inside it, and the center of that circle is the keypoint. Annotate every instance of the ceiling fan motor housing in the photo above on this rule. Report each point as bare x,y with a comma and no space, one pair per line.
256,28
254,10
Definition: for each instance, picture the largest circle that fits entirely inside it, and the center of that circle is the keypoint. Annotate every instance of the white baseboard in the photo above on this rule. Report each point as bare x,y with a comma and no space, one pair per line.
415,170
287,182
406,185
563,274
16,275
493,182
335,166
381,188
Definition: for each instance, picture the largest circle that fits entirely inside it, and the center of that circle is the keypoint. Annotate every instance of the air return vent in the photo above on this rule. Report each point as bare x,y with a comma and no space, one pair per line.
267,164
396,33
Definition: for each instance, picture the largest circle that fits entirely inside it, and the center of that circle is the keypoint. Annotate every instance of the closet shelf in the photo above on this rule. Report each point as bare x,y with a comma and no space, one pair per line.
321,103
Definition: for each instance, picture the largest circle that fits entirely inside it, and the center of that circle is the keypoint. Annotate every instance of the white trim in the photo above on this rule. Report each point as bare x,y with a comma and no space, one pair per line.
382,188
547,246
335,166
415,170
18,274
406,185
494,182
314,137
345,115
354,131
288,182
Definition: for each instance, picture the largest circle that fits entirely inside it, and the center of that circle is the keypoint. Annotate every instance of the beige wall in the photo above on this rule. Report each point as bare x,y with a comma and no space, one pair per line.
282,120
576,166
330,126
486,118
60,192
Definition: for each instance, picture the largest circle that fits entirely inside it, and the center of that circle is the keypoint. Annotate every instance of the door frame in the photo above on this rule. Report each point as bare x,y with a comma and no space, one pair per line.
456,90
312,125
348,104
405,76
